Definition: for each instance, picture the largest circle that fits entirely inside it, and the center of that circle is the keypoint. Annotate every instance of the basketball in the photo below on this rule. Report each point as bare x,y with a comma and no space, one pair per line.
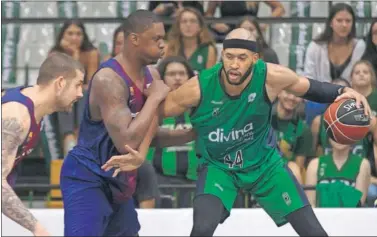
344,123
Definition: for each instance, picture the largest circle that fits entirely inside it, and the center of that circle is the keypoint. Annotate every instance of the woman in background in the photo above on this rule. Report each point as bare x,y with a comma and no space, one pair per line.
336,50
74,41
333,54
191,39
118,41
371,45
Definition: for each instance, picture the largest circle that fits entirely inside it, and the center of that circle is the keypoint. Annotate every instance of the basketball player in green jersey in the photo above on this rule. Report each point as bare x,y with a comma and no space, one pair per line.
230,107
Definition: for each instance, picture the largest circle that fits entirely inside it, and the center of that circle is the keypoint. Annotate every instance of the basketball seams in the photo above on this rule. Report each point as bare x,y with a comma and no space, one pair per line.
332,125
340,131
337,120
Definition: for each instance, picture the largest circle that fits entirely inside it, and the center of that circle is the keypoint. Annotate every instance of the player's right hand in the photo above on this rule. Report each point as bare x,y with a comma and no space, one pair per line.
40,231
158,90
127,162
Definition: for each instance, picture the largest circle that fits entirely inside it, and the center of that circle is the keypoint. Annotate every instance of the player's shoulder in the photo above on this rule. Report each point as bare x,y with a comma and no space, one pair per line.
278,75
276,70
15,112
106,76
106,82
365,164
14,108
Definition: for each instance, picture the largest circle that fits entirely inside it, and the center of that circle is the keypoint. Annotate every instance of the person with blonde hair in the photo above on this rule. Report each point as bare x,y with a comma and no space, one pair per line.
189,37
363,80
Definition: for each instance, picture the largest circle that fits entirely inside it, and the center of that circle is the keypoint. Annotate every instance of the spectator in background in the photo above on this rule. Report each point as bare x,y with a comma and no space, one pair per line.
190,38
333,53
73,40
265,52
372,190
172,8
341,178
363,80
118,41
371,45
175,165
239,8
336,50
294,136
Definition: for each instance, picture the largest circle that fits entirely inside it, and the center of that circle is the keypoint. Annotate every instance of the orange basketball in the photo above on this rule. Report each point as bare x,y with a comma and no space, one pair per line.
344,123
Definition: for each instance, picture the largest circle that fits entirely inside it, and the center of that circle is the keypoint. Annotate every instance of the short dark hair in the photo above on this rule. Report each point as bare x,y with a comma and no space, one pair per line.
161,68
139,21
58,64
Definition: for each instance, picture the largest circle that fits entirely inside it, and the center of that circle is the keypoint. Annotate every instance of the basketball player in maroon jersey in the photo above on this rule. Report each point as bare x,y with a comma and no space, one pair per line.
59,86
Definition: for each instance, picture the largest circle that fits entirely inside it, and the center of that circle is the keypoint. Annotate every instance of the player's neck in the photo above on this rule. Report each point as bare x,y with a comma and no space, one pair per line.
134,68
41,97
364,90
284,113
340,155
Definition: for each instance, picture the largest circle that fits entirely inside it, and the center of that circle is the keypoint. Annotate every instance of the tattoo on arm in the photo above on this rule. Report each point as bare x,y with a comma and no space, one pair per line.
111,95
12,136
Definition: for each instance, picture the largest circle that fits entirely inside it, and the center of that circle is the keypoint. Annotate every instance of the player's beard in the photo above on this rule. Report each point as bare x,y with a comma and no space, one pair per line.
242,79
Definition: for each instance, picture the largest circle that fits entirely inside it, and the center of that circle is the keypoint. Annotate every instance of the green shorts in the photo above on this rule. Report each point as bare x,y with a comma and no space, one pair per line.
275,188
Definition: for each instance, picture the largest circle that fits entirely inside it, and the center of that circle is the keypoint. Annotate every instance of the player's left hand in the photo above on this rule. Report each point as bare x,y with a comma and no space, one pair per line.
128,162
349,93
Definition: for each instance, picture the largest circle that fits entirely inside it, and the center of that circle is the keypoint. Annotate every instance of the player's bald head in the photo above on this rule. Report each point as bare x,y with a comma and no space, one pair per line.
242,34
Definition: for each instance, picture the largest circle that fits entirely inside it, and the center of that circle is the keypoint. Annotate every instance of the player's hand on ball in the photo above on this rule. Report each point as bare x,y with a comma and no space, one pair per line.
128,162
158,89
349,93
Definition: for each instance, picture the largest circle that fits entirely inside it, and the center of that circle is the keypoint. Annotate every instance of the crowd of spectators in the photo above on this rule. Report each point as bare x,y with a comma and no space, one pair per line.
335,56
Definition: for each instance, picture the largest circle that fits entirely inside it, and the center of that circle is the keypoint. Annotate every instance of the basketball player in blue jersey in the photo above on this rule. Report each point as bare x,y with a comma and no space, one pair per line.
117,113
59,86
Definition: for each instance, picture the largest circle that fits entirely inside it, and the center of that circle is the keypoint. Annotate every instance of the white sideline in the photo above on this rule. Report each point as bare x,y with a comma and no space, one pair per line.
242,222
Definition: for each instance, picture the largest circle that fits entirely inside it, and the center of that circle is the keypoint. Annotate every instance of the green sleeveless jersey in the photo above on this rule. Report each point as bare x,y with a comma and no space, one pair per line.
199,58
329,173
176,160
360,148
234,132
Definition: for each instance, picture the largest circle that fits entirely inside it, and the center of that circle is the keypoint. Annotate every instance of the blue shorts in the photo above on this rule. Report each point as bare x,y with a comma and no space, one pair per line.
88,210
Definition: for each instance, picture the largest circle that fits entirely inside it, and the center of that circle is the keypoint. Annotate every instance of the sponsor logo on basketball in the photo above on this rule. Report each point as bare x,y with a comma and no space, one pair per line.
350,106
245,133
361,118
